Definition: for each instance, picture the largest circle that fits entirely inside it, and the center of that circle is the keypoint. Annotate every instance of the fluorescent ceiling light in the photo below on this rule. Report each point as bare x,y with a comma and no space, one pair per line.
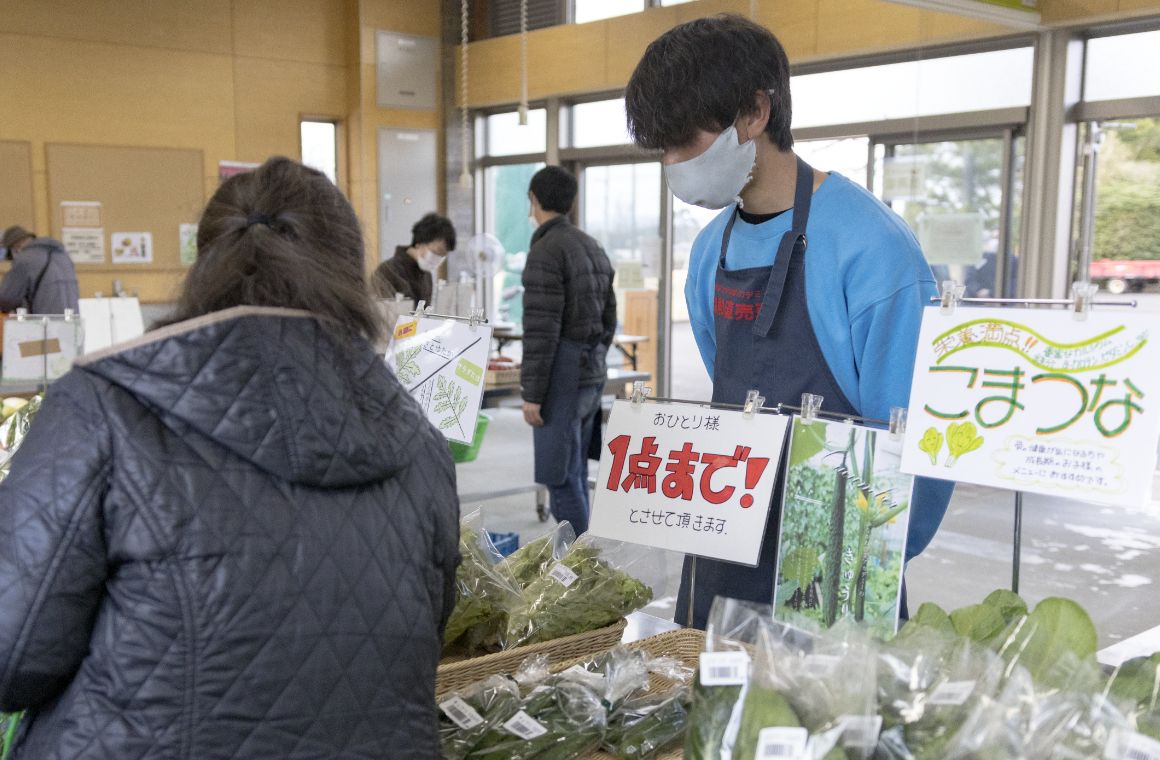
980,9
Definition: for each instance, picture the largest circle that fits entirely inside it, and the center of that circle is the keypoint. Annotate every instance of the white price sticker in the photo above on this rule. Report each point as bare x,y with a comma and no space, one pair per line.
460,713
782,743
860,731
525,726
724,668
821,665
563,574
952,692
1129,745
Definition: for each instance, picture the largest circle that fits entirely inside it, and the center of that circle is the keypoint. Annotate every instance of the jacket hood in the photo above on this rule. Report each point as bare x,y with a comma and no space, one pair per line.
274,387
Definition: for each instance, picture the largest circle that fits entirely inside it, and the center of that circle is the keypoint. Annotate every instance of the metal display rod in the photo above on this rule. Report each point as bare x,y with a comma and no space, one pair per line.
477,315
1081,302
640,394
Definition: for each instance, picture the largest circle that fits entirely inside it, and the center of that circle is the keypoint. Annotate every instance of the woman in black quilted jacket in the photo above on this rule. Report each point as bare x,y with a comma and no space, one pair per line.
235,537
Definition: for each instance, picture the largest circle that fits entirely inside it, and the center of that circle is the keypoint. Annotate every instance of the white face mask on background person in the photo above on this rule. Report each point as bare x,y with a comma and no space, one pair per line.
714,179
429,261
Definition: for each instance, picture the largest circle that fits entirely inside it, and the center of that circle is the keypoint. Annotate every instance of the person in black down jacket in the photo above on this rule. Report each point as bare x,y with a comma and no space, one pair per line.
569,323
236,536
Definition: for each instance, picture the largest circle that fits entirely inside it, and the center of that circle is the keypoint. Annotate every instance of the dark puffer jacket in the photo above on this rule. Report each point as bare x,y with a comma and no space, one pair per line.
231,538
567,294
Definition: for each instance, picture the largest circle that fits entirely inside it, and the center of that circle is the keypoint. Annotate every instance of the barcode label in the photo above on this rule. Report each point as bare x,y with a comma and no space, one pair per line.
821,665
525,726
724,668
782,743
1129,745
860,731
563,574
460,713
953,692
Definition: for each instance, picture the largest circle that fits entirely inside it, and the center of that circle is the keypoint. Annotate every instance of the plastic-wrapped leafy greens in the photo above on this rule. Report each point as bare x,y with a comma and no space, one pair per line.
828,689
997,728
465,716
486,593
13,430
1073,725
535,558
560,719
644,725
721,683
928,686
592,587
1135,685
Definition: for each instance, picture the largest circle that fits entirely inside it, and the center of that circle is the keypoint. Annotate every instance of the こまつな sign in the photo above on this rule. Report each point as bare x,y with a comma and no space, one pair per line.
1037,401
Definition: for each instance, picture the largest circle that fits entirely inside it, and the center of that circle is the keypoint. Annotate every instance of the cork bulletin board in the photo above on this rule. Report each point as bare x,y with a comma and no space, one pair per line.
140,190
16,205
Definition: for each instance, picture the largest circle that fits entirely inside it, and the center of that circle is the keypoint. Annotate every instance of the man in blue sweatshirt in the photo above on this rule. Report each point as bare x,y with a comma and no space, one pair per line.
805,283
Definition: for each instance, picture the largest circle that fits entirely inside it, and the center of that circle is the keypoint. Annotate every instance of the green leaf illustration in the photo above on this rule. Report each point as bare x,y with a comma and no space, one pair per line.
449,400
406,368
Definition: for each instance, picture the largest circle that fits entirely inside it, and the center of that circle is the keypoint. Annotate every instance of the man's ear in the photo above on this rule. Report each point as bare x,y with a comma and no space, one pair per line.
753,124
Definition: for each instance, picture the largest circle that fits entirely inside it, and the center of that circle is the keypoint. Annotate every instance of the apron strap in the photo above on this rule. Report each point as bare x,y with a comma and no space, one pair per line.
803,194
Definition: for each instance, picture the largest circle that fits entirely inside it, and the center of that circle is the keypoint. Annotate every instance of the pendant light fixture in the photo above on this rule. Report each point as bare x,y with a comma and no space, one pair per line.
464,116
523,107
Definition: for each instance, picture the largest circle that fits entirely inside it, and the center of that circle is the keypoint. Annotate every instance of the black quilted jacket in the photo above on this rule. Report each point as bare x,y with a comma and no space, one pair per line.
567,294
229,539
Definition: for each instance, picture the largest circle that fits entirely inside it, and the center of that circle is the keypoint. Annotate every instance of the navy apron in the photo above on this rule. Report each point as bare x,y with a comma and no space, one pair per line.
765,341
554,441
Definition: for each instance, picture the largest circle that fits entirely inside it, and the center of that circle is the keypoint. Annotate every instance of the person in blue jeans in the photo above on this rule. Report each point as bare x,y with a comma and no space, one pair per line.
804,283
569,323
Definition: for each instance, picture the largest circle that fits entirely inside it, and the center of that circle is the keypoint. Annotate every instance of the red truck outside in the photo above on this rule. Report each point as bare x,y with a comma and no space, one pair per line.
1120,275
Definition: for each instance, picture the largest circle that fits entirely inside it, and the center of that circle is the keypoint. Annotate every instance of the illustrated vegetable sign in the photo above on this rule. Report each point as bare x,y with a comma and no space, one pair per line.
440,363
1037,401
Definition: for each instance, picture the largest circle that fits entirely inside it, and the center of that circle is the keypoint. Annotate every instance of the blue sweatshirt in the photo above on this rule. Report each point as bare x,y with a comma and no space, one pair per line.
866,286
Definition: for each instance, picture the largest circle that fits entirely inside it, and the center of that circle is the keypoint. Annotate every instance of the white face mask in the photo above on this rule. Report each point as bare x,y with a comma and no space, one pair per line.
715,178
429,261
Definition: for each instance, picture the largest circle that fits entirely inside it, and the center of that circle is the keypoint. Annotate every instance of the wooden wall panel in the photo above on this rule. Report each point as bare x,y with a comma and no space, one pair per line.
140,190
16,204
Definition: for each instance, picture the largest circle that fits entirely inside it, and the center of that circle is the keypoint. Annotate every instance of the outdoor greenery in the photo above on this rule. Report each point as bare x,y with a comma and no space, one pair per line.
1128,193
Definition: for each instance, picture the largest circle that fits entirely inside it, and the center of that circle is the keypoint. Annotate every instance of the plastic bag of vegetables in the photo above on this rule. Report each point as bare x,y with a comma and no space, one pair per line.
928,686
17,419
535,558
818,699
722,681
466,715
559,720
486,593
594,585
647,724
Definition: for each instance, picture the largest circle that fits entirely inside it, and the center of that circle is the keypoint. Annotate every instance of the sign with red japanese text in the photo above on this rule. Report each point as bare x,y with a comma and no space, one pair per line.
1038,401
440,362
688,478
843,526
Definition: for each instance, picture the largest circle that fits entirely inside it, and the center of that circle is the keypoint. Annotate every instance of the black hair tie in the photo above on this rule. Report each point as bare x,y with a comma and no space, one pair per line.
265,219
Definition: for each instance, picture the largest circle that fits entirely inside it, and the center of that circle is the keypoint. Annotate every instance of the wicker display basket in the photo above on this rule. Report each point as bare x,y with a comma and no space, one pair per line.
455,675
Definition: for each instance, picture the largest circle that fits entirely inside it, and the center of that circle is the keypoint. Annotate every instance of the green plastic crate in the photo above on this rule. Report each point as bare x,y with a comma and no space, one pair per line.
462,453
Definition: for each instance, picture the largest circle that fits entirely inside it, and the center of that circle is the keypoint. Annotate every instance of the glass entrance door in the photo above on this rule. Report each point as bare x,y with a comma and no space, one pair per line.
961,197
621,207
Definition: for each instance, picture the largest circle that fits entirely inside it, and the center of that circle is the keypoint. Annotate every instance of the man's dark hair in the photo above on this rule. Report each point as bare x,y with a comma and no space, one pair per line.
281,235
703,75
555,189
433,227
